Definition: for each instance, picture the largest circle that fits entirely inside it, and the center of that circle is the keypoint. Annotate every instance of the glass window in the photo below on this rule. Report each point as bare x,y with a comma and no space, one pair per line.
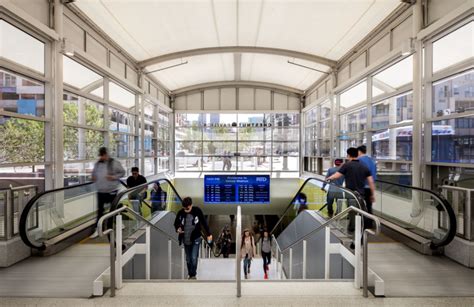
286,134
19,47
79,110
393,144
393,110
121,96
121,121
149,167
188,134
189,120
354,122
325,110
454,47
21,95
284,119
220,133
285,164
24,175
77,173
22,140
122,145
163,119
163,164
325,130
81,144
452,140
311,116
392,78
347,141
254,148
254,134
286,148
219,120
325,148
82,78
454,94
353,96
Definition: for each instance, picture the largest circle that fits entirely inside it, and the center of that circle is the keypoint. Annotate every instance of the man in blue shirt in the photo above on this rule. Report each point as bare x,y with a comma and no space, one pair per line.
334,193
370,164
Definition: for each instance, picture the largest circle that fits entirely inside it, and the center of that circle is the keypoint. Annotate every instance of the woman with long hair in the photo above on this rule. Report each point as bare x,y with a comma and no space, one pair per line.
247,250
266,246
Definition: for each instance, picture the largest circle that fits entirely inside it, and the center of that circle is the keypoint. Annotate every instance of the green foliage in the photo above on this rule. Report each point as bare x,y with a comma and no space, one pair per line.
22,141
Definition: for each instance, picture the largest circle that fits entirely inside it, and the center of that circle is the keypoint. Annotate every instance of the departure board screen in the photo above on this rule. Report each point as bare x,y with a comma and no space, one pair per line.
228,189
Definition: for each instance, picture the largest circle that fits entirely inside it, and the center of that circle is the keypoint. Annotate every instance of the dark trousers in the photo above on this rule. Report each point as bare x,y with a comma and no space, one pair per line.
332,197
368,204
102,200
192,252
266,257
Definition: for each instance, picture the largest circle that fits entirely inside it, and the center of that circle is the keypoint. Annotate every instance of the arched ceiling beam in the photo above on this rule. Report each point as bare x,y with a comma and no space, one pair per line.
253,84
238,49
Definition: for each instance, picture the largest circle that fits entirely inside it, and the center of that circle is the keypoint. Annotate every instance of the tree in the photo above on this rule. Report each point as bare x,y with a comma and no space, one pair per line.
22,141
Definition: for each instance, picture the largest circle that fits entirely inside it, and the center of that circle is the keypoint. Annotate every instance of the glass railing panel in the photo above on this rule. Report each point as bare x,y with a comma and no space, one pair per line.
328,199
419,211
148,200
58,211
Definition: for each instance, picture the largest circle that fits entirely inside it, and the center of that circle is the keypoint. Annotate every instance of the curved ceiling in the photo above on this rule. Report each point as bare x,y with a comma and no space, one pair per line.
148,29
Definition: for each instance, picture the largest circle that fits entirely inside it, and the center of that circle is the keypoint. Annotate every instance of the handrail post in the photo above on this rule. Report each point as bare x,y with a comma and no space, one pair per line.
304,259
281,269
118,250
112,263
238,258
182,262
357,251
148,252
169,259
327,254
365,264
291,263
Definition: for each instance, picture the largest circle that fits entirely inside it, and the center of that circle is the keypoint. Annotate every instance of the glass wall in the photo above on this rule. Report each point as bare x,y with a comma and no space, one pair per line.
23,111
253,142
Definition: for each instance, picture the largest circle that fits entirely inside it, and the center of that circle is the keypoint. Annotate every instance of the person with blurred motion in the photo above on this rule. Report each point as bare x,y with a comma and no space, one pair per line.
106,175
300,203
188,223
368,196
137,196
333,193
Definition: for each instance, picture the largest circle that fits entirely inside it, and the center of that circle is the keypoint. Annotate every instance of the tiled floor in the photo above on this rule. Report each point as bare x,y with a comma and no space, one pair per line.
224,269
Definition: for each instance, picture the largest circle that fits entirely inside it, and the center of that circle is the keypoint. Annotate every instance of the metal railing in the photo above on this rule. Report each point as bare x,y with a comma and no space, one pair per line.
112,240
366,233
12,203
462,203
238,256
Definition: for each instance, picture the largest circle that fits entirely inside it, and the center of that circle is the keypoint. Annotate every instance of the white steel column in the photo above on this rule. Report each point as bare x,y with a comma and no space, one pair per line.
58,146
118,252
417,138
304,259
357,251
147,252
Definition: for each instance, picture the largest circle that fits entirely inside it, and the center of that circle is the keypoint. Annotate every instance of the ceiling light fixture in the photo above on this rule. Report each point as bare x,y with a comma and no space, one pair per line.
167,67
307,67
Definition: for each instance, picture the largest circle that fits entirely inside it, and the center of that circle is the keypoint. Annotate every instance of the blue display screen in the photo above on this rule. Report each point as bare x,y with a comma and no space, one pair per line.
246,189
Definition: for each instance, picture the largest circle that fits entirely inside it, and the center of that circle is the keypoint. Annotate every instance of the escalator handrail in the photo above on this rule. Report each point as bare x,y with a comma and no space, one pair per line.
451,233
354,194
29,205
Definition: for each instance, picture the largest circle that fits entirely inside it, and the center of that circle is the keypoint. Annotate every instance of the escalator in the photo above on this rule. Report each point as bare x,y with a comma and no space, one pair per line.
56,219
419,218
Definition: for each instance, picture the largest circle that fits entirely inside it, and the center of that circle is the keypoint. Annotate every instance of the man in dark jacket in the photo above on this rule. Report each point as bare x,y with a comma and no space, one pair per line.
188,223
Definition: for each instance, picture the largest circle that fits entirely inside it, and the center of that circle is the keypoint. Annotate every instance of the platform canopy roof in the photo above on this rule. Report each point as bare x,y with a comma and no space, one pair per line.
237,40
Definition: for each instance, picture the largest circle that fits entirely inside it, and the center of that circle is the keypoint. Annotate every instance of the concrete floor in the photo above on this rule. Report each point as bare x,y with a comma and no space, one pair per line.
253,294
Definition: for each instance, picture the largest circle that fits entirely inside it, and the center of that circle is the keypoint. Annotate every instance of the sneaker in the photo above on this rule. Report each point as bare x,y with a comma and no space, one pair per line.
246,276
265,276
94,235
192,277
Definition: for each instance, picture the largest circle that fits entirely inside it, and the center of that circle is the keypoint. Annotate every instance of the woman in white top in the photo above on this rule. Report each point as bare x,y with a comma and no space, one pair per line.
247,250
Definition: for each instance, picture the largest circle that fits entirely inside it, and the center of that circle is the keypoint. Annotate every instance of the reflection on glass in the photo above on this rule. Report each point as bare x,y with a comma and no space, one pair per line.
21,95
122,145
353,140
121,121
82,78
454,94
77,173
454,47
353,96
393,77
393,144
354,122
452,140
121,96
393,110
21,48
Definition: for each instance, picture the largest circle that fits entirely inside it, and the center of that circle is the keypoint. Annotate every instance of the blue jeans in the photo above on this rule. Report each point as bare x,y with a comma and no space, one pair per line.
247,262
192,252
